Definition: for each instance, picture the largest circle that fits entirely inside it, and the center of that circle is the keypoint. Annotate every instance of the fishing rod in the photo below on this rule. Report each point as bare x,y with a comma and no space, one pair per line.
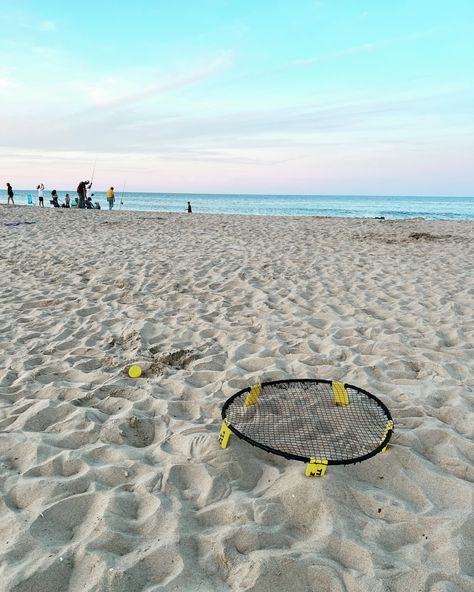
93,172
121,199
88,187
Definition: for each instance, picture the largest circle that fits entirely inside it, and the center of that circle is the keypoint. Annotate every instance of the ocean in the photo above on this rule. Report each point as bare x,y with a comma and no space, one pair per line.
352,206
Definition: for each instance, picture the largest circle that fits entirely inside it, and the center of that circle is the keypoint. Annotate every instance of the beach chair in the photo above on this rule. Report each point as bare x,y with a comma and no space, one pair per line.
29,199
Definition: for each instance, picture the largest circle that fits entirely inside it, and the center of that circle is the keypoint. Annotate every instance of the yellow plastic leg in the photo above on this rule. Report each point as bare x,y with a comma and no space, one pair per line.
388,427
340,393
316,467
224,434
253,395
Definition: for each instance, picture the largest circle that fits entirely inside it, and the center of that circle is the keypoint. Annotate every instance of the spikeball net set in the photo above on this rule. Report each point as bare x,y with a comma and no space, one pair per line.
319,422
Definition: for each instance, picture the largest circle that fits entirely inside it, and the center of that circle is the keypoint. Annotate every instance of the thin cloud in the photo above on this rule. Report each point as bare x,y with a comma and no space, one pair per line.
349,51
26,22
7,83
102,97
140,132
5,79
360,49
47,26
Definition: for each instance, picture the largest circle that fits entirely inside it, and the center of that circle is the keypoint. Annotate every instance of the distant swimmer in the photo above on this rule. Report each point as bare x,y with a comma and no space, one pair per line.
110,197
190,210
10,194
40,190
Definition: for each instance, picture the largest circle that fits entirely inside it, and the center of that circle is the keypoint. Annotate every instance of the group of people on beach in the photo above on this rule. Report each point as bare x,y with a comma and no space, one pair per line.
83,200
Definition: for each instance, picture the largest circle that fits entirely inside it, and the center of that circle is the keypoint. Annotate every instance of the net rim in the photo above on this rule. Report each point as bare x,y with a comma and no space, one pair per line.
306,459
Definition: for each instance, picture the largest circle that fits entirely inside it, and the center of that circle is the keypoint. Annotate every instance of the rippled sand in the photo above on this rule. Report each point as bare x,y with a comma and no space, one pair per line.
115,484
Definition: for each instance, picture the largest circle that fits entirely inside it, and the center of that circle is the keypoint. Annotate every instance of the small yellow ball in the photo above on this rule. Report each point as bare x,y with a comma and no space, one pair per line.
135,371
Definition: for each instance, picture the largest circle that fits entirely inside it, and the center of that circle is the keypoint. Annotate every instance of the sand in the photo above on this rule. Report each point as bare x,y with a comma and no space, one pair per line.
118,484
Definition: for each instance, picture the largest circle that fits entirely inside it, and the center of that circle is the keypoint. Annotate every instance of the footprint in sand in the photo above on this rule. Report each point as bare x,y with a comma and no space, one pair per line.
134,431
194,483
56,525
59,466
42,419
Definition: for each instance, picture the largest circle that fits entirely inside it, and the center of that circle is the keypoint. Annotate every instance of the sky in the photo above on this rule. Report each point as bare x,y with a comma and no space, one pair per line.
371,97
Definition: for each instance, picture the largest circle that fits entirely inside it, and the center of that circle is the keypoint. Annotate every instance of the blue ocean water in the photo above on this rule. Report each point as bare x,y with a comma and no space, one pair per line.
391,207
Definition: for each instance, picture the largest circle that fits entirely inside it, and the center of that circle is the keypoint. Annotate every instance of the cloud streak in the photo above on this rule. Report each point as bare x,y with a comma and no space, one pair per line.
7,83
47,27
209,135
360,49
109,96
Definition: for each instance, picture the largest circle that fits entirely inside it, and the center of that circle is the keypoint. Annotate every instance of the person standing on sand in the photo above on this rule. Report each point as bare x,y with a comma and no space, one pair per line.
190,210
40,190
82,194
110,197
10,194
54,198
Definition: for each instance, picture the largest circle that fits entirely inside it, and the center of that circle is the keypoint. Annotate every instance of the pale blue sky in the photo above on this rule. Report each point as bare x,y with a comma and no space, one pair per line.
314,96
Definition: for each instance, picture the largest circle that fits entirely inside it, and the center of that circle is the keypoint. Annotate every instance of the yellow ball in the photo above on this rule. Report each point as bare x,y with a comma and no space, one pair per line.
135,371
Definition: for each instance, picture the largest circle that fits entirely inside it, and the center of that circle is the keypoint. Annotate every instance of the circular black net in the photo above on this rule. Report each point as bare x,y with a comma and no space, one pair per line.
302,419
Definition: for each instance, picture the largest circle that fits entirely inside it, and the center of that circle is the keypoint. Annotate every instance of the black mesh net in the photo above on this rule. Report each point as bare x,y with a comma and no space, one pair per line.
302,419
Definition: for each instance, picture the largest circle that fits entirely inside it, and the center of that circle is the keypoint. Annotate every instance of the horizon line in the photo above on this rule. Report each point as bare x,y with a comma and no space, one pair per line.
384,195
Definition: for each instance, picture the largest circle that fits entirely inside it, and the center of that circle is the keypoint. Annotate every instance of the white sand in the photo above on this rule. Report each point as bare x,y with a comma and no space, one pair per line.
109,483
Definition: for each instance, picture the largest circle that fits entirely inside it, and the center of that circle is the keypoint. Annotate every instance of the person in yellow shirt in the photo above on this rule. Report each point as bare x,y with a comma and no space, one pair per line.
110,197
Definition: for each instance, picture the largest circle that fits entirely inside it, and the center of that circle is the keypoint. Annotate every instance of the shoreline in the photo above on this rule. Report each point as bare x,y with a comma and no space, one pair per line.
116,211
